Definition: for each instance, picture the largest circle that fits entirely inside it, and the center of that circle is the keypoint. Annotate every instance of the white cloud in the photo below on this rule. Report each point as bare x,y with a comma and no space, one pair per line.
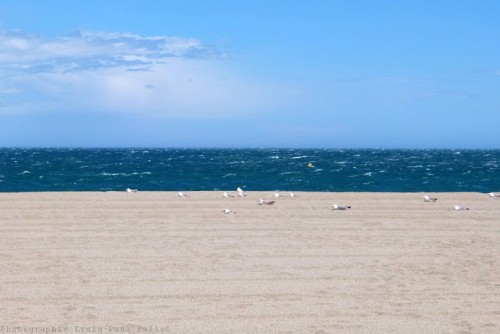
115,72
84,50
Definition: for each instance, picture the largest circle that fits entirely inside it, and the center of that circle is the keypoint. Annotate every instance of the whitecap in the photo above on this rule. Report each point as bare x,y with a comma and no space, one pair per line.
289,173
25,172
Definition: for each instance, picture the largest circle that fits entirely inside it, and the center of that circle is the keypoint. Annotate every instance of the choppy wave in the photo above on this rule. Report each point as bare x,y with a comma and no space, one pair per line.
254,169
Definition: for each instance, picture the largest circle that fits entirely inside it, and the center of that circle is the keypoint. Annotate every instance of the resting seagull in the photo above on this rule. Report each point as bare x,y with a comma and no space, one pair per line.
131,190
459,208
340,207
225,195
228,212
262,202
429,199
181,194
493,195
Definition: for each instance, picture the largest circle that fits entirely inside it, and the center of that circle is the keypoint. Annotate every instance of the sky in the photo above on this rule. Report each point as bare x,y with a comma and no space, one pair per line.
261,73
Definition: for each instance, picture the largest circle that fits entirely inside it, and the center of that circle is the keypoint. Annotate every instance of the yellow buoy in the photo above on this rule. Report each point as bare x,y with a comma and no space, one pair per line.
310,165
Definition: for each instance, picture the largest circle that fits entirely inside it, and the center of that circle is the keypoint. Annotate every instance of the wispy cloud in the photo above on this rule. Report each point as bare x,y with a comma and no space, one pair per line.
119,72
88,50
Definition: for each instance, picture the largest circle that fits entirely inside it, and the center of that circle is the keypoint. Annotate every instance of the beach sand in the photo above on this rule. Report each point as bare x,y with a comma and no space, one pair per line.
109,262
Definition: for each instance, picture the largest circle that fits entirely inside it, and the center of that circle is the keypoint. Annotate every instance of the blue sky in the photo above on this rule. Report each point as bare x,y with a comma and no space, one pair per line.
341,74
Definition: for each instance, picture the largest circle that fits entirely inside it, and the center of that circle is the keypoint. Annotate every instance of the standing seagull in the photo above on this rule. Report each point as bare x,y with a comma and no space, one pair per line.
429,199
459,208
181,194
240,192
229,212
225,195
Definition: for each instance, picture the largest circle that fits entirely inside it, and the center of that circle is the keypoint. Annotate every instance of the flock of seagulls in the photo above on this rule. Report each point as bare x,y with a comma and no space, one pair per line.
241,193
455,207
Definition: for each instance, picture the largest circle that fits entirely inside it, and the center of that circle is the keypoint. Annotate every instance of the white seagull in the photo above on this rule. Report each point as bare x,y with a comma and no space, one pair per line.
493,195
228,212
225,195
131,190
276,194
262,202
459,208
181,194
429,199
240,192
340,207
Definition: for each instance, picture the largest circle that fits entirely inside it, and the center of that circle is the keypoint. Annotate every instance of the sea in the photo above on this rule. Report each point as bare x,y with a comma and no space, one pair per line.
322,170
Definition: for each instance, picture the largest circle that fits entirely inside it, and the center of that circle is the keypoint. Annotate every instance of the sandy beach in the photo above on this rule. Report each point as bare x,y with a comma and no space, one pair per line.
109,262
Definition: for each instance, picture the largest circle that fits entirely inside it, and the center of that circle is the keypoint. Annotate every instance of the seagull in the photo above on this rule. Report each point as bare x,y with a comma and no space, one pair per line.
340,207
262,202
131,190
494,195
181,194
429,199
276,194
240,192
292,195
225,195
228,212
459,208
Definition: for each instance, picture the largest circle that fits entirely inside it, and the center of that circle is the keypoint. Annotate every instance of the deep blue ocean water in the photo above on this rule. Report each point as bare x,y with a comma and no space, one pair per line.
81,169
